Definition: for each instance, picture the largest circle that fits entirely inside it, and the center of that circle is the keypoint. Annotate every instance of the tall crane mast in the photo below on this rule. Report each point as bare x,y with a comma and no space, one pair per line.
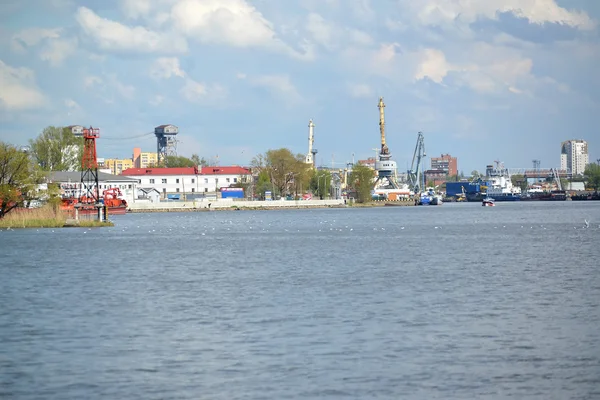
381,106
415,174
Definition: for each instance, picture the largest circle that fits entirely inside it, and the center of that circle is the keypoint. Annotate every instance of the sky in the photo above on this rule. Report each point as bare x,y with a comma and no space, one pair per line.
504,80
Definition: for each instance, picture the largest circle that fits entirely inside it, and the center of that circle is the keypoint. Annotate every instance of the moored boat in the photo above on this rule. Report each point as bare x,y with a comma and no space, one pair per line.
488,202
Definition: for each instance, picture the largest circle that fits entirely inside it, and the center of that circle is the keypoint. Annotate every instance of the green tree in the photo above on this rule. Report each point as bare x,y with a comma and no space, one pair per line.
475,174
198,161
179,162
17,178
286,171
361,180
57,149
320,183
519,181
592,176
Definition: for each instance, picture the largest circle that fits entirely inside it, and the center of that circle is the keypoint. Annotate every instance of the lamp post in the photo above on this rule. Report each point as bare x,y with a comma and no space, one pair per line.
215,170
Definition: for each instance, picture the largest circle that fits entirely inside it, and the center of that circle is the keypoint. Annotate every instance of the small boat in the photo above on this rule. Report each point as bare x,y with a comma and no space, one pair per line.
488,202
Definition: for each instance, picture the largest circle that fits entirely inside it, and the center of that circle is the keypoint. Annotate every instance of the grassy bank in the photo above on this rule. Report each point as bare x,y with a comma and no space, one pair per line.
44,217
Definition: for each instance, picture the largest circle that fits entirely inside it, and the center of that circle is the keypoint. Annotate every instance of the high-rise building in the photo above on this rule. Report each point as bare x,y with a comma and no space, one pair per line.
116,166
445,163
574,156
144,160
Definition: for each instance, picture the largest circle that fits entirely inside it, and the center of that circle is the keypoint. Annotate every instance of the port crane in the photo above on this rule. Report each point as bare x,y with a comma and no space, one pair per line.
416,177
386,168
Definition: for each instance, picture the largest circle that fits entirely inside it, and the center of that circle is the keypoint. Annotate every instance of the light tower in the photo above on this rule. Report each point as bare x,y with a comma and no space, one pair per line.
90,190
166,143
386,168
312,152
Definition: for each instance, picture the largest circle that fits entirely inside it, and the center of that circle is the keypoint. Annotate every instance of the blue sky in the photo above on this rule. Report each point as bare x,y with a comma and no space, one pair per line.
483,80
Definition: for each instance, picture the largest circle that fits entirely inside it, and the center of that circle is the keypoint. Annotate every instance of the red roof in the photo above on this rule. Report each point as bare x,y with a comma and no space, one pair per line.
160,171
187,171
235,170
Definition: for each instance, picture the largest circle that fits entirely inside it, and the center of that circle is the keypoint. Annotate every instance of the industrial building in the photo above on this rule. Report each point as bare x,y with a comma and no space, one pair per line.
70,183
189,182
445,163
574,156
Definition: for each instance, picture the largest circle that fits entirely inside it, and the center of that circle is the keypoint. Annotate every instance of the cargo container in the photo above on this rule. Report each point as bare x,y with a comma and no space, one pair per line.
456,188
232,193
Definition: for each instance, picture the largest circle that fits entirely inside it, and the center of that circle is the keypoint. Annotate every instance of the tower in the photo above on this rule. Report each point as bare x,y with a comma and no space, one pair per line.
386,168
312,152
166,142
90,190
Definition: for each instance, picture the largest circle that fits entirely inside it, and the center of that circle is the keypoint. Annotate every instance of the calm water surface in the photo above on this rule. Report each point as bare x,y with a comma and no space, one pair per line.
451,302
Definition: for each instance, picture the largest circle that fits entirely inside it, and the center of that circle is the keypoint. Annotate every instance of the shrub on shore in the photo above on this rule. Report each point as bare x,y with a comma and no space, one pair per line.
48,216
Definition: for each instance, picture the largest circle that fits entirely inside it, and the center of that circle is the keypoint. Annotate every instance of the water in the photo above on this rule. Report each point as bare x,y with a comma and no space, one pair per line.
451,302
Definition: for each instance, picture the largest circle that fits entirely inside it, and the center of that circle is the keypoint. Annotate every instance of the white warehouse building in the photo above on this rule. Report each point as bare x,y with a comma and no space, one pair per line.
190,182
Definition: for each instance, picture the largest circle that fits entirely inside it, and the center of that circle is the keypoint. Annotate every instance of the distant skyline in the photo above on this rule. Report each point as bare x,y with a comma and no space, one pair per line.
486,80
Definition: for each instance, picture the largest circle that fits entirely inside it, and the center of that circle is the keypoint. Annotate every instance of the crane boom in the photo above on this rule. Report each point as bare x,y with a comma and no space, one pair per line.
415,174
381,105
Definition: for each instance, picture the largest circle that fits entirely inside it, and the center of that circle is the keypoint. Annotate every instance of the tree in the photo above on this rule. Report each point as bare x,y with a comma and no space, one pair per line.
475,174
17,178
361,180
285,171
179,162
57,149
592,175
519,181
198,161
320,183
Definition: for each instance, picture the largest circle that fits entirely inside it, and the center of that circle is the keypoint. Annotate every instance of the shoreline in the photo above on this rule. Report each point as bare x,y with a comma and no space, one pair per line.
265,207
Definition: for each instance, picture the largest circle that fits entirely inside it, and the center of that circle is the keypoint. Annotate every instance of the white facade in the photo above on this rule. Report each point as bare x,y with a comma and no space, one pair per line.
574,156
186,183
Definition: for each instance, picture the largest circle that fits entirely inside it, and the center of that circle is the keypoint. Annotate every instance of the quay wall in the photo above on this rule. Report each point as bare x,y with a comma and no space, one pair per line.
228,204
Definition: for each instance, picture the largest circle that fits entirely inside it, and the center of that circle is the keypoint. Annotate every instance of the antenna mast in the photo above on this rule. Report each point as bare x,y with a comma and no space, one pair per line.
381,105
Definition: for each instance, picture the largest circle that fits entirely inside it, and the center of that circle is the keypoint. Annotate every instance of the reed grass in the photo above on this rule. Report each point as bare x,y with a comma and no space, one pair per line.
47,216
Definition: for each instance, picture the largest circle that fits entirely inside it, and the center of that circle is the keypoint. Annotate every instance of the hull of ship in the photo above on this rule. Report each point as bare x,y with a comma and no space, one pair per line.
120,210
498,198
554,196
475,197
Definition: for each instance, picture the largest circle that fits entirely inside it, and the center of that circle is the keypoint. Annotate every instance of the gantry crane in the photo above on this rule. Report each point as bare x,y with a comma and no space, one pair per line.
416,177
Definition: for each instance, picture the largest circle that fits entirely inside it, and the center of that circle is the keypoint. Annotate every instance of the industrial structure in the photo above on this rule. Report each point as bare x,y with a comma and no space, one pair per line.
416,177
574,156
386,168
89,167
166,142
312,152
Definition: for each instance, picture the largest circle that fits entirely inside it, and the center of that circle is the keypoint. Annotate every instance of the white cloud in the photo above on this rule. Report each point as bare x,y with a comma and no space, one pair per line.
198,92
91,81
114,36
72,104
58,50
194,91
31,37
332,36
441,12
231,22
433,65
19,90
358,90
166,67
279,86
136,8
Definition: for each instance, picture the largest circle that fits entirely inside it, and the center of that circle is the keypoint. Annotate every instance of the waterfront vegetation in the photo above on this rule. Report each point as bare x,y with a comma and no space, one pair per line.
48,216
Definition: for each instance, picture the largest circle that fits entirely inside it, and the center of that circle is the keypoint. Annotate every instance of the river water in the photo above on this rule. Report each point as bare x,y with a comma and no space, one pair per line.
451,302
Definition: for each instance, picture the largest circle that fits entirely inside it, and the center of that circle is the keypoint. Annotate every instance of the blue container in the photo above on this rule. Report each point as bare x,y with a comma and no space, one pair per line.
455,188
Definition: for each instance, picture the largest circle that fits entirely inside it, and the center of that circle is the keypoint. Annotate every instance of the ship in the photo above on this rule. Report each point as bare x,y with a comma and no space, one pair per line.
112,200
500,186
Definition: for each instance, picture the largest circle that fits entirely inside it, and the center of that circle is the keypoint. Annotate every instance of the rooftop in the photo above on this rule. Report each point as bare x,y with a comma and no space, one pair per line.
231,170
75,176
